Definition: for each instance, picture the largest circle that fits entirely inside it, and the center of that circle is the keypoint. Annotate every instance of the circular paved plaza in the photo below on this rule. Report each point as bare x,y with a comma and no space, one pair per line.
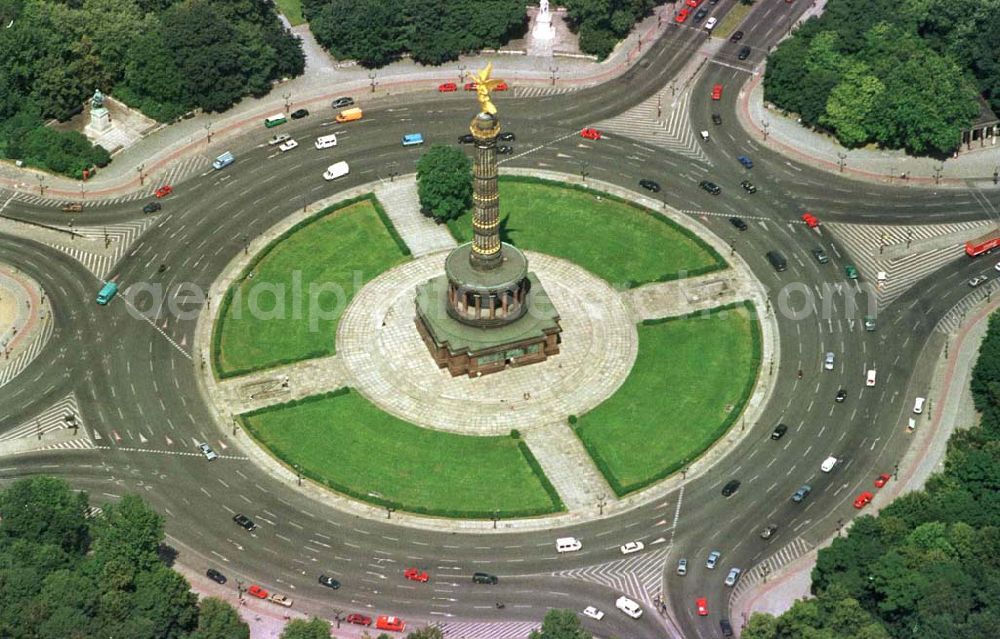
387,361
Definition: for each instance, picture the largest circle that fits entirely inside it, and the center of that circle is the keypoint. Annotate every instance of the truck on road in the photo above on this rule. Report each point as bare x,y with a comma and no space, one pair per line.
983,244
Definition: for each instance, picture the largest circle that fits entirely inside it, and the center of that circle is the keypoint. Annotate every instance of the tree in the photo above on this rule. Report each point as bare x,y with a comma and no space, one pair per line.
301,629
126,537
444,182
46,511
851,105
218,620
369,32
560,624
428,632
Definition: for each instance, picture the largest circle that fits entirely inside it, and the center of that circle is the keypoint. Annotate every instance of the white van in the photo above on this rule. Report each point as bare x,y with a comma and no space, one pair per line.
326,141
828,464
629,607
918,406
338,170
870,379
568,544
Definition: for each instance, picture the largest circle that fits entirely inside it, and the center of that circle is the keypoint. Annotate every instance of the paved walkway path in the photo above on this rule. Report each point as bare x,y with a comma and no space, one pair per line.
25,322
401,202
680,297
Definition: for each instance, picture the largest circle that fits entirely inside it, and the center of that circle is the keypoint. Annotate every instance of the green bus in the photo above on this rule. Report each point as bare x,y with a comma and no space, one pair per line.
274,120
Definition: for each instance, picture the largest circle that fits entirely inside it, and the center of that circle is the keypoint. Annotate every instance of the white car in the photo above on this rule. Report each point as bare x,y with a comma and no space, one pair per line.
828,464
568,544
281,600
278,139
682,567
631,547
710,23
977,280
593,613
713,558
997,267
870,378
732,577
207,451
288,145
629,607
828,362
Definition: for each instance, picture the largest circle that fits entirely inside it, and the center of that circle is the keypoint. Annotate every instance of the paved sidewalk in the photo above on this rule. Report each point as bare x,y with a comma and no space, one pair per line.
401,202
22,311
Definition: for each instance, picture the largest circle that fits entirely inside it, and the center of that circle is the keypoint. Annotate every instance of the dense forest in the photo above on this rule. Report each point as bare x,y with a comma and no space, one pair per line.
163,57
928,565
905,74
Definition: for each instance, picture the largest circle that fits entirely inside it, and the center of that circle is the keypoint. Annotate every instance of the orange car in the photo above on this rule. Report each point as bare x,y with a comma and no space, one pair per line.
163,191
590,134
682,15
693,3
257,591
810,220
447,87
385,622
863,500
470,86
501,86
882,480
415,574
717,92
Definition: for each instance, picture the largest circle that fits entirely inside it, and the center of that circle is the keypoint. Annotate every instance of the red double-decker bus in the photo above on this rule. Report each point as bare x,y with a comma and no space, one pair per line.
983,244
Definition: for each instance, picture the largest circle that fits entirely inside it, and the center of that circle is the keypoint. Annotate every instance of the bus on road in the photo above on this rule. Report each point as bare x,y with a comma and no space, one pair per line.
272,121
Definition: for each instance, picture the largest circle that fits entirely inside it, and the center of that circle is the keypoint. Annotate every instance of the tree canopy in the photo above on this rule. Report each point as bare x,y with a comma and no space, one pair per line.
444,182
602,23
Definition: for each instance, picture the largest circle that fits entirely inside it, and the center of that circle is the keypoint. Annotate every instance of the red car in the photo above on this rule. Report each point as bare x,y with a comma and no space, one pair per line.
590,134
682,15
385,622
810,220
257,591
470,86
882,480
447,87
358,619
501,86
163,191
693,3
702,605
717,92
863,499
415,574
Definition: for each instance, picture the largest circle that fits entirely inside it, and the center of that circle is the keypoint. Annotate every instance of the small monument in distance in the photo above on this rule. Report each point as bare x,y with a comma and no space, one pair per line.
100,118
543,29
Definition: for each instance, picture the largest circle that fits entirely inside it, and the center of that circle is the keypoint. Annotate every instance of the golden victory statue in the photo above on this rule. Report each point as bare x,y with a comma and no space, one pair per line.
483,87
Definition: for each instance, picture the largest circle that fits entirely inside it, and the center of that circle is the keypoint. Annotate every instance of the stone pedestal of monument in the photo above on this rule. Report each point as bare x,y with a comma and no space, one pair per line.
543,33
100,122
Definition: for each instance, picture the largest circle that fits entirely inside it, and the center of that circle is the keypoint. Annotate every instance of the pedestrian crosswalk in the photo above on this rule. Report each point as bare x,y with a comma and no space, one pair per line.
540,91
639,576
61,415
115,238
661,121
20,361
784,555
955,317
906,254
488,629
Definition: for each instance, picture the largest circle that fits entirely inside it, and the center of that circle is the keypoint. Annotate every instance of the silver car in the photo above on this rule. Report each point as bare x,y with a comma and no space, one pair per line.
713,558
682,567
207,451
828,362
732,577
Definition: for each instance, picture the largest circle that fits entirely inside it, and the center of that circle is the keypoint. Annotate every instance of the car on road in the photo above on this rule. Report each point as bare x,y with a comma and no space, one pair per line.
717,92
743,54
329,582
629,607
779,431
281,600
279,138
207,451
682,15
738,223
828,464
704,136
882,480
711,187
777,260
863,500
693,3
745,161
802,493
72,207
593,613
840,396
256,591
851,272
716,118
447,87
152,207
163,191
870,378
996,267
507,136
768,531
820,255
590,133
733,576
385,622
710,23
736,37
828,362
469,86
358,619
650,185
726,627
713,558
415,574
731,487
682,567
870,324
811,220
485,578
700,14
748,186
468,138
977,280
340,103
631,547
298,114
504,149
568,544
701,605
287,145
501,86
216,576
245,522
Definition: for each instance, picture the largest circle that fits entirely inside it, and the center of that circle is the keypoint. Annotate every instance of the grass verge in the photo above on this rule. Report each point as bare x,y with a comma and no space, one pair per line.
292,10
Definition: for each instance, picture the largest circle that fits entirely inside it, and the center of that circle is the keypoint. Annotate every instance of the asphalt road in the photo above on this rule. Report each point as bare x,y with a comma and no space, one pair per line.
132,377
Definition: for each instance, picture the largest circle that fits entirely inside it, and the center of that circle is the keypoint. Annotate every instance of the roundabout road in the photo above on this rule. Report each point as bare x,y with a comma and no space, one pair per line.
134,377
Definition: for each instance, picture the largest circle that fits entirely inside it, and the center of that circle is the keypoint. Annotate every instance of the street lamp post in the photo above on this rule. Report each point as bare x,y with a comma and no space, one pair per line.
841,161
388,512
372,78
895,471
584,172
765,124
138,170
937,173
246,244
659,106
461,73
892,173
288,102
298,474
601,503
41,185
496,517
553,75
208,133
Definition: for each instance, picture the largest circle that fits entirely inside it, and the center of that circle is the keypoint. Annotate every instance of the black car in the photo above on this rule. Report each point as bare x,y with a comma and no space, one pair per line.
650,185
484,578
744,53
736,37
777,260
841,395
507,136
711,187
340,103
216,576
716,118
768,532
152,207
779,431
299,114
738,223
245,522
748,186
820,255
466,139
731,487
329,582
700,14
503,149
727,628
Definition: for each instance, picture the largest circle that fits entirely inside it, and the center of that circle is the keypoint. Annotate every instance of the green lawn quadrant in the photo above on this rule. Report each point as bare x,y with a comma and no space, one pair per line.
691,379
338,252
292,10
343,441
620,242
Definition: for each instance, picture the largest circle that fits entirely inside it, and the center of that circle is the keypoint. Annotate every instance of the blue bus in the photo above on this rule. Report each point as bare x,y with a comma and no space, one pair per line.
107,292
413,139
